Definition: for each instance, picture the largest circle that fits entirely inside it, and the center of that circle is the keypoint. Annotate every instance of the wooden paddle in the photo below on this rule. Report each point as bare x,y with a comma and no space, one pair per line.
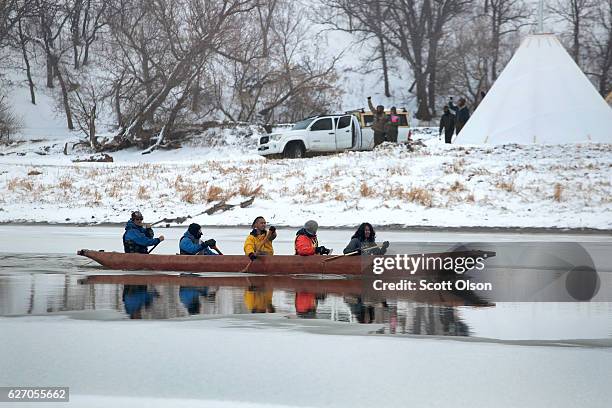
217,250
340,256
154,246
246,268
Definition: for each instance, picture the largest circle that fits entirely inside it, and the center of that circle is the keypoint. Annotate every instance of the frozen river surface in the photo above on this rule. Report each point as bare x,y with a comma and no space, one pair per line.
116,344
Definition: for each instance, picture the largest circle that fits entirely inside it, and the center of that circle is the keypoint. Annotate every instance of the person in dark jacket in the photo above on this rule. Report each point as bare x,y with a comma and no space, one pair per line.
190,243
461,111
137,236
447,123
379,126
363,241
393,123
306,242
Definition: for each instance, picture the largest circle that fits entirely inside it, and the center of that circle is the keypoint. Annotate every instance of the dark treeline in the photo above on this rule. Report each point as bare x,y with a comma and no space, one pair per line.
160,65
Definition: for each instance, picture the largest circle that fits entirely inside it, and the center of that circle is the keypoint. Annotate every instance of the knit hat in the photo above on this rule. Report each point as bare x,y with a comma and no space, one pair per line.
194,229
311,227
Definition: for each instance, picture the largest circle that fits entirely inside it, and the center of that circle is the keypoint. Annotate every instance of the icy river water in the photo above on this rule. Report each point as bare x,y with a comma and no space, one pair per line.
41,275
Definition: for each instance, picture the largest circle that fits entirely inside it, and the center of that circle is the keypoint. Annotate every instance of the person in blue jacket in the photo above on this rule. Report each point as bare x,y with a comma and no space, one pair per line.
190,243
137,236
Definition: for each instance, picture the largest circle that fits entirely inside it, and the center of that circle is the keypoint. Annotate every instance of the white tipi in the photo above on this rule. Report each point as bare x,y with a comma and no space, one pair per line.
541,96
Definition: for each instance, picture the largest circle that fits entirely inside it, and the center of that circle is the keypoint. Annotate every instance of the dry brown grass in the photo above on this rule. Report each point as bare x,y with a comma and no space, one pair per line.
65,183
189,195
20,183
365,190
456,167
558,192
143,193
96,197
213,193
457,187
421,196
114,190
327,187
470,198
506,185
246,189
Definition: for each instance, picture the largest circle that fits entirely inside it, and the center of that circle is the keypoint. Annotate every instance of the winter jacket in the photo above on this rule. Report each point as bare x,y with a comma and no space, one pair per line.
190,245
447,123
461,114
355,244
258,244
137,238
305,243
380,119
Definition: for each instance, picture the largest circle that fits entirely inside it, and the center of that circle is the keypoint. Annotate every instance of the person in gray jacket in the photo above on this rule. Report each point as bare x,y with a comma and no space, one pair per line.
363,242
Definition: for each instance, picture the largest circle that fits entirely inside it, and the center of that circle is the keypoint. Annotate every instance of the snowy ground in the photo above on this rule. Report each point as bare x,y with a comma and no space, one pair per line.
210,362
563,186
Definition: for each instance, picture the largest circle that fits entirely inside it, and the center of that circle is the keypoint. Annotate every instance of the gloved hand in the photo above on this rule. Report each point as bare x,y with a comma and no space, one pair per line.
273,229
210,243
383,249
322,250
252,256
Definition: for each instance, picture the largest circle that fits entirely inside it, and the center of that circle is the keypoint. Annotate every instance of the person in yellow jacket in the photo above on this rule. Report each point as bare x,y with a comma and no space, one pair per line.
259,241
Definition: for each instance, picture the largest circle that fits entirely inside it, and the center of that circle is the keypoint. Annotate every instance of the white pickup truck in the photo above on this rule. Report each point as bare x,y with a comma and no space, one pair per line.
328,134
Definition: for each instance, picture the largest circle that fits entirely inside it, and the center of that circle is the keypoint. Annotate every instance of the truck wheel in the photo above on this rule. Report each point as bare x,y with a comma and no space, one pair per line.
294,151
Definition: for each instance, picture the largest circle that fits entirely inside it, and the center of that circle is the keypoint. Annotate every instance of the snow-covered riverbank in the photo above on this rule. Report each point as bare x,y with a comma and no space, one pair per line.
561,186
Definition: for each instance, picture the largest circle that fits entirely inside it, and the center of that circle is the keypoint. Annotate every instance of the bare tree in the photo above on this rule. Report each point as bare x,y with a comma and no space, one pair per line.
86,113
504,17
576,13
599,47
414,29
9,121
86,21
275,77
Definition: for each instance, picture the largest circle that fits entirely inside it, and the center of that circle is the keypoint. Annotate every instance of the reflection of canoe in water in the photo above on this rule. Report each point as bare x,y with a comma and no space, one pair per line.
344,287
271,265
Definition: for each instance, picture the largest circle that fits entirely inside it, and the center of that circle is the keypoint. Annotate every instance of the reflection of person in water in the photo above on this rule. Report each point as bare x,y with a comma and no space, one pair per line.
366,312
438,320
190,297
258,300
135,298
306,304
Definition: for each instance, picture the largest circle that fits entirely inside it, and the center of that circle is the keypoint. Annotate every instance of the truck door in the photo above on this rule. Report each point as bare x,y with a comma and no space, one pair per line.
321,135
344,133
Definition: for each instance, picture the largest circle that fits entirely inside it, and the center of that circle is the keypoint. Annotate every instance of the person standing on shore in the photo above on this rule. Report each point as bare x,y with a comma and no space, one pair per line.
461,111
447,123
379,125
393,125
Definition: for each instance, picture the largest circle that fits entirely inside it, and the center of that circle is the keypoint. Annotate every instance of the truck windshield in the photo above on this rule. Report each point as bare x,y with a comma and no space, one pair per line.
303,124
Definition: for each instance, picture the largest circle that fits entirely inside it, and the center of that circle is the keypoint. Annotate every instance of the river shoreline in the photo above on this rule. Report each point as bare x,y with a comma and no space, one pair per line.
390,227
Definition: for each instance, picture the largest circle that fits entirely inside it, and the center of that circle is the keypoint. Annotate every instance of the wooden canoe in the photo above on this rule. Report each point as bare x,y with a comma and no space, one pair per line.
270,265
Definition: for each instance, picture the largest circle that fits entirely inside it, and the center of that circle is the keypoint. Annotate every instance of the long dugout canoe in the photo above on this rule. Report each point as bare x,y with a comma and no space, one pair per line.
264,265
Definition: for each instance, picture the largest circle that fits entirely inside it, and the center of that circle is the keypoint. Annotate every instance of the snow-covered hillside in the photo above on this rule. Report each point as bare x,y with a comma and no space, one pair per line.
564,186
